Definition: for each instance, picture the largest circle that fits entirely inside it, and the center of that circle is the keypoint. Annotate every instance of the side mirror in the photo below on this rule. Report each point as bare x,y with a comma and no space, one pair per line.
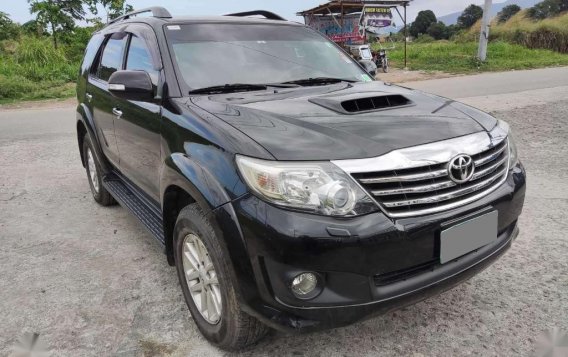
369,66
131,85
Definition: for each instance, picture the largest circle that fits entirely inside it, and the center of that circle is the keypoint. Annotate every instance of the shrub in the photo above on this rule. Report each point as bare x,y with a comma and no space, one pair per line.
547,8
424,39
508,12
439,31
551,33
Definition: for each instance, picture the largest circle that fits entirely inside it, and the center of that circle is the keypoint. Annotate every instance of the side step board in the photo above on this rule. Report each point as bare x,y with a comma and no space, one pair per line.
129,200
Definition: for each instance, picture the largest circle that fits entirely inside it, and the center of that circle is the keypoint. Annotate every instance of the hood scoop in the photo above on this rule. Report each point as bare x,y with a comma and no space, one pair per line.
357,103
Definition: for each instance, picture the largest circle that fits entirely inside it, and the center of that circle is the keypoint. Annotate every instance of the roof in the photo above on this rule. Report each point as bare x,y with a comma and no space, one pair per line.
349,6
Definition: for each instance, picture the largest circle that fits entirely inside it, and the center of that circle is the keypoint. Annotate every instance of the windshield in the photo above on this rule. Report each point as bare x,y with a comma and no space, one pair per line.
217,54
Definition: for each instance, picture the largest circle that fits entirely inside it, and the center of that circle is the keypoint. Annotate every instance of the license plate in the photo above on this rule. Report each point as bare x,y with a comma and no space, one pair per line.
468,236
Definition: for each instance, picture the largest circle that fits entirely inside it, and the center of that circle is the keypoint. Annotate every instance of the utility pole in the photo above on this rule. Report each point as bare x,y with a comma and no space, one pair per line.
484,35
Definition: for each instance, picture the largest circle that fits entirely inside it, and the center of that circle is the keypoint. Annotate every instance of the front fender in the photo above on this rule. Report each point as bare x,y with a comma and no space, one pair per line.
208,174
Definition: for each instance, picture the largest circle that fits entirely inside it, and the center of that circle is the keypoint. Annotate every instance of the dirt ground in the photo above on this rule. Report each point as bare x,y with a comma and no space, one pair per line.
396,75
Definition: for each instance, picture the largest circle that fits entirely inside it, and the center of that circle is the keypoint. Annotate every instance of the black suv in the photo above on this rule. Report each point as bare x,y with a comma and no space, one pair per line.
289,188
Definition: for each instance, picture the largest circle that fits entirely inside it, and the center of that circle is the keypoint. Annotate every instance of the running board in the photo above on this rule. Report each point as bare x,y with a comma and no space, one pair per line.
129,200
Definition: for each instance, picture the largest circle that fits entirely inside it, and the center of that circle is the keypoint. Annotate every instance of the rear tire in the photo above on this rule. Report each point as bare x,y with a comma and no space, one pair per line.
94,174
227,326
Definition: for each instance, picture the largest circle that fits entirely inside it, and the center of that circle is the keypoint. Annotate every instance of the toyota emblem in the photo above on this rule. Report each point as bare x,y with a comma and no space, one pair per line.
461,168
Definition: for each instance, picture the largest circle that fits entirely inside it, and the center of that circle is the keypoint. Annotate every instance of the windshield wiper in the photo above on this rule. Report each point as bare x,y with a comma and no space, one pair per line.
229,88
319,81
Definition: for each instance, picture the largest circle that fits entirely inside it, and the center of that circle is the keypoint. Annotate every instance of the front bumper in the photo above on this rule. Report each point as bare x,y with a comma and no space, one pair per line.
370,264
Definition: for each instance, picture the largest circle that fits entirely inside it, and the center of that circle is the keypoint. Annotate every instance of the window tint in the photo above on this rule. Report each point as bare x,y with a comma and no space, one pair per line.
91,52
139,58
111,60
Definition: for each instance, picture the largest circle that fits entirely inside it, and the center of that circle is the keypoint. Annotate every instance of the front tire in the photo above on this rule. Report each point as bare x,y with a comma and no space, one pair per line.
94,174
204,274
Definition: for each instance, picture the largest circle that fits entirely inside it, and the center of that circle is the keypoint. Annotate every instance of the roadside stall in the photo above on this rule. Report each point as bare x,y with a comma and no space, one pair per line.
354,24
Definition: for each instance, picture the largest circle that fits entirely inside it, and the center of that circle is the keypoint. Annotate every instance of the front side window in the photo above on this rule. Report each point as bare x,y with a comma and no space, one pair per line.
217,54
139,58
111,60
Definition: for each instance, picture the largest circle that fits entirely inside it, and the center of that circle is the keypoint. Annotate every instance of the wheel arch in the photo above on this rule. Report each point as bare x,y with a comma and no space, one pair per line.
184,182
86,126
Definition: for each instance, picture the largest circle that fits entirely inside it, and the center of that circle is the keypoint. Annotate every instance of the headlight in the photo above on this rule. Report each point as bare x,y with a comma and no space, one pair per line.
317,187
513,154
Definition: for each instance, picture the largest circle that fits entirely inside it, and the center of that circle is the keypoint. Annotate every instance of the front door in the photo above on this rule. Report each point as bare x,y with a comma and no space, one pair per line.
137,124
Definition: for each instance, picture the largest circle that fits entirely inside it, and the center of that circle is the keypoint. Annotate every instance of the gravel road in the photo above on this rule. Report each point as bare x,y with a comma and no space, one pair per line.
91,282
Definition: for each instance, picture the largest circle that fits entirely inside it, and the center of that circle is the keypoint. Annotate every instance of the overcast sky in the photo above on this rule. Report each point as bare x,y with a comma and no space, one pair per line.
19,9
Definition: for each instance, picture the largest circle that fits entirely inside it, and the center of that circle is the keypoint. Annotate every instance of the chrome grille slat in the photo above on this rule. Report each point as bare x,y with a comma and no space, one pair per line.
406,178
447,196
489,169
416,190
490,157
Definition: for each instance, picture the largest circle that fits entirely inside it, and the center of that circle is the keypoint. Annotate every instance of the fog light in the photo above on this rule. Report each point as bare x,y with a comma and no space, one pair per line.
306,286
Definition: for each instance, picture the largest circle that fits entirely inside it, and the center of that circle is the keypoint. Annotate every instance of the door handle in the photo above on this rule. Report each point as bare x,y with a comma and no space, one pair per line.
89,97
117,112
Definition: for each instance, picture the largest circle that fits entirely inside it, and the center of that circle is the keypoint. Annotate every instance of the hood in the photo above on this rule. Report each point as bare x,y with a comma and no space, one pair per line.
310,123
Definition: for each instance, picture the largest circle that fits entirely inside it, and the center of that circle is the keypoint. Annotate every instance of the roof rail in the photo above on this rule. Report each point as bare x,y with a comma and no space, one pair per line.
157,11
267,14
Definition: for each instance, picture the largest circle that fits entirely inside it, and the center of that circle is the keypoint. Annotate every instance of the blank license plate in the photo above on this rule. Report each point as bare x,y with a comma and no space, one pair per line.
468,236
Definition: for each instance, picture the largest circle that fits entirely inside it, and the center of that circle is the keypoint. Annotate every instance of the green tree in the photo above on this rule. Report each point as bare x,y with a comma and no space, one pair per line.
59,15
423,21
8,28
507,12
452,30
438,31
470,16
112,8
547,8
33,27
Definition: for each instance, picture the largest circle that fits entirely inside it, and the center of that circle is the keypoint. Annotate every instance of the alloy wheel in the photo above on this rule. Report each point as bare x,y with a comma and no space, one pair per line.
92,170
202,279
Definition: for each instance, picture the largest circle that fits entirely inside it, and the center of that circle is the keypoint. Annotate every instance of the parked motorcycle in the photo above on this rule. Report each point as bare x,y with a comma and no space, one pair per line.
382,60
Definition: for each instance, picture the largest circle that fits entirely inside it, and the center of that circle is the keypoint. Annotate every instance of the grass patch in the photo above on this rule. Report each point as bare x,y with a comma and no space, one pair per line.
457,57
17,89
32,69
550,33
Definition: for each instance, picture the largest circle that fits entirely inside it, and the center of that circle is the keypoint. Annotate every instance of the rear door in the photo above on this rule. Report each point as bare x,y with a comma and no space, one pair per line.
110,60
138,126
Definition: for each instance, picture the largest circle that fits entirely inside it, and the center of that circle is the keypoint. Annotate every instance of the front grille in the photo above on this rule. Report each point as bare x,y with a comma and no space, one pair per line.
403,274
429,189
